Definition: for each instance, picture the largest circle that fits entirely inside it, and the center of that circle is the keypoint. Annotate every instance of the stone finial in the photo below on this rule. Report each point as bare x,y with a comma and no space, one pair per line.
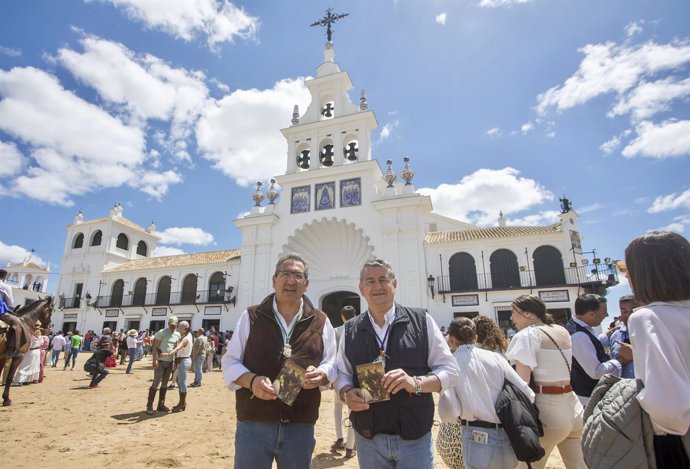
363,106
272,193
407,174
295,115
390,176
258,196
501,220
79,218
151,228
328,53
116,211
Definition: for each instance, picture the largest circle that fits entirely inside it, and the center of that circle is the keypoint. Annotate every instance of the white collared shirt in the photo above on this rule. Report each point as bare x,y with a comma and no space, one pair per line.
484,373
232,362
440,360
586,355
6,291
659,337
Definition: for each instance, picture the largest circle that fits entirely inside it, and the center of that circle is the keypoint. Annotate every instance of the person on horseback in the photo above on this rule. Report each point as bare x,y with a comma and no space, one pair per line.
6,302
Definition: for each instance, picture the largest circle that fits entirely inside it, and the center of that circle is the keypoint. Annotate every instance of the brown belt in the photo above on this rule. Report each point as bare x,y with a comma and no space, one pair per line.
551,389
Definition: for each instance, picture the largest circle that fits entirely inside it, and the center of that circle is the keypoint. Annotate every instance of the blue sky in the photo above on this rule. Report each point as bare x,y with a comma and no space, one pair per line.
173,108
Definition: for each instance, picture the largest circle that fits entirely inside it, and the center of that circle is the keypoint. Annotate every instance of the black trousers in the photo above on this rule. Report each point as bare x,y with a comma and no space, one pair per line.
670,452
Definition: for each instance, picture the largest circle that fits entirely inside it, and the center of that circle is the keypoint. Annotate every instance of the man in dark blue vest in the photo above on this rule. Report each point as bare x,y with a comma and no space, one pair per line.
590,360
394,433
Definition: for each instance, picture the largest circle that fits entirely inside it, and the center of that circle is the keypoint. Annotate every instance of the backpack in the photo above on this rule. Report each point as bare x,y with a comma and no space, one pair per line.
520,420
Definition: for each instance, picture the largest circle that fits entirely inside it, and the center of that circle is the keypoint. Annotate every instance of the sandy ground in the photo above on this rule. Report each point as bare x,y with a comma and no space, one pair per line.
62,423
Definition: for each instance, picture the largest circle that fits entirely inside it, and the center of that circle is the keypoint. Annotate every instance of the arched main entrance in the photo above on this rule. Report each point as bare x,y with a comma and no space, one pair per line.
332,303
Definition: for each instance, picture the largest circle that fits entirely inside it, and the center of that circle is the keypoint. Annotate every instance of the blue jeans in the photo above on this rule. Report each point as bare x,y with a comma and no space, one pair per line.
198,368
55,357
132,354
182,368
257,444
73,355
391,451
98,376
497,453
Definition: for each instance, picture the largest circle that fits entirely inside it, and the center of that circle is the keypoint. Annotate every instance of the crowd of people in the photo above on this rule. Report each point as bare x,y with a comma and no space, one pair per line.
553,374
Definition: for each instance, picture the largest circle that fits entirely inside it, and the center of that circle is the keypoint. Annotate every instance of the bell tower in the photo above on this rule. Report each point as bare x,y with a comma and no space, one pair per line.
332,131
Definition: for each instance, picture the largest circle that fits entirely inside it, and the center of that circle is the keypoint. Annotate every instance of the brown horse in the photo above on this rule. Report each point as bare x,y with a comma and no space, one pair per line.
25,318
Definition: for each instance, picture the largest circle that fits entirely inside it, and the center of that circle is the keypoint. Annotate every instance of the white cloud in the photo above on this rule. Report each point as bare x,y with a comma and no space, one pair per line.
218,20
526,128
156,184
633,28
478,197
494,132
611,145
10,51
64,163
185,235
667,139
648,99
162,251
590,208
609,67
500,3
141,87
441,19
387,130
13,254
675,227
238,132
547,217
12,159
664,203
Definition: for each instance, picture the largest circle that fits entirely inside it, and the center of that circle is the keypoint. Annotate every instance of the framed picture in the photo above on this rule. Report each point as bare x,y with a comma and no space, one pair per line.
299,201
350,192
212,311
324,196
112,313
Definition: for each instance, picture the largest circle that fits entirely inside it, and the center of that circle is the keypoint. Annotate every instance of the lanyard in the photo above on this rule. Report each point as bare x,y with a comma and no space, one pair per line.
287,349
382,342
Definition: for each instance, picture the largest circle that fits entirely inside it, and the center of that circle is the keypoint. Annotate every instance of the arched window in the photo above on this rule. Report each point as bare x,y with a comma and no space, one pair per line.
139,297
216,287
78,241
117,292
328,108
142,249
163,291
327,153
548,266
504,269
122,242
303,156
189,289
97,238
463,272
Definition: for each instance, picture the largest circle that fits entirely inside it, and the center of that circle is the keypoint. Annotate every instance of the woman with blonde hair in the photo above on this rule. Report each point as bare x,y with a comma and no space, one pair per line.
542,354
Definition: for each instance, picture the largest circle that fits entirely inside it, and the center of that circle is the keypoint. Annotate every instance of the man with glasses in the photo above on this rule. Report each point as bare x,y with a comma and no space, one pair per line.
285,326
417,361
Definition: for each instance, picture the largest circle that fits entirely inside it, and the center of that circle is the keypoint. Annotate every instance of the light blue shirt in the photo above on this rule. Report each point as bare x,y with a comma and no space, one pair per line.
622,335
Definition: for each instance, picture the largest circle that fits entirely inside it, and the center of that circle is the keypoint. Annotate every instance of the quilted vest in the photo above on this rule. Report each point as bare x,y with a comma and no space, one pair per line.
405,414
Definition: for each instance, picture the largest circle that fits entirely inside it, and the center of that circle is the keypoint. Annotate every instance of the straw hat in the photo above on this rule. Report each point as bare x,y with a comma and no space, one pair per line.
132,332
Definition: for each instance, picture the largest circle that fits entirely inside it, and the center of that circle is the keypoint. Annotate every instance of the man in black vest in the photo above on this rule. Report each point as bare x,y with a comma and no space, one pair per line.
590,360
285,326
395,433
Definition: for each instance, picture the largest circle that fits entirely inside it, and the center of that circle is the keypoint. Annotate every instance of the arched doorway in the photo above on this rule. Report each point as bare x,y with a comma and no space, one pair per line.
332,303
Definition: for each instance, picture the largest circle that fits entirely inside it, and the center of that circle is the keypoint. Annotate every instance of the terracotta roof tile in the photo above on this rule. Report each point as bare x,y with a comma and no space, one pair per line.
441,237
182,260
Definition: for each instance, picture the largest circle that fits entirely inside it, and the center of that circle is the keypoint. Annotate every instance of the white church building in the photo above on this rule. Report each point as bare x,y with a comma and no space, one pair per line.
337,207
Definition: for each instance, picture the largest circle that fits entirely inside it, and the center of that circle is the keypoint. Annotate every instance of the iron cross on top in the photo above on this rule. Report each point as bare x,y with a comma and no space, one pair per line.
328,20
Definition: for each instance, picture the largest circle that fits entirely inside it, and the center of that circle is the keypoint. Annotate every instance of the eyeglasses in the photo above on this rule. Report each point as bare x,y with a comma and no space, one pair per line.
288,274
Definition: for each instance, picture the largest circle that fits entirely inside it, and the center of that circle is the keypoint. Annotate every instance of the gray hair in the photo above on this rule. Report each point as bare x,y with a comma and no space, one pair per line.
377,263
292,257
183,325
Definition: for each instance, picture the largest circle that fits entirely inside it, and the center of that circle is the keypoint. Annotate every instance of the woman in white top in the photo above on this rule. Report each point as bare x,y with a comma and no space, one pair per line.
183,360
541,352
658,265
485,443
